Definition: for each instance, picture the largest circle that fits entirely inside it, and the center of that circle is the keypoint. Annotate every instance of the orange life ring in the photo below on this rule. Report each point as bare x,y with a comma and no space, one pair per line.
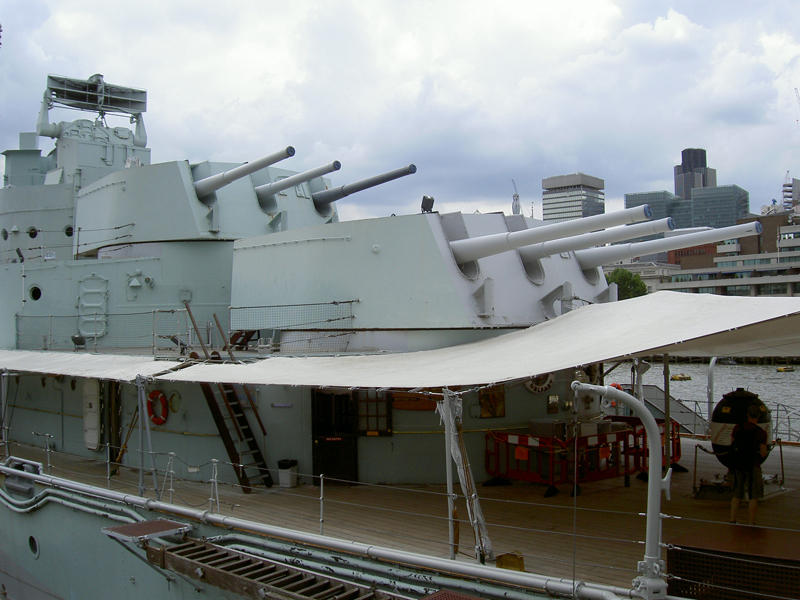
162,400
617,386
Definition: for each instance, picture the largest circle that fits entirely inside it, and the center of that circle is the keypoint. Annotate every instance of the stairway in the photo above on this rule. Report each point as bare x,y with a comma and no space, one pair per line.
254,577
237,436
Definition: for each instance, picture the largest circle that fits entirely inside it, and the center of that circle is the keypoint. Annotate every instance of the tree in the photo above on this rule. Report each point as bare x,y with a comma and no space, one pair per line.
630,284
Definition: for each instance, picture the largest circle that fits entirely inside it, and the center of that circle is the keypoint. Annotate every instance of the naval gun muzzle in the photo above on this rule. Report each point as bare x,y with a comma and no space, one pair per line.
592,258
266,191
211,184
488,245
597,238
325,197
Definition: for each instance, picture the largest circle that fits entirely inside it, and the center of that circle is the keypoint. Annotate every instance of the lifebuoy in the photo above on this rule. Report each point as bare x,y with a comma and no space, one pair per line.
616,385
162,400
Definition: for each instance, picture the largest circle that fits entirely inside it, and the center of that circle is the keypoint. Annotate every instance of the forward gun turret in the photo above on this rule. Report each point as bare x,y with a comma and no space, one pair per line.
266,191
488,245
211,184
595,257
325,197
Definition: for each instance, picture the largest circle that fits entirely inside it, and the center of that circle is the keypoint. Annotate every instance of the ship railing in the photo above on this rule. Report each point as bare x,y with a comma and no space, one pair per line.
321,327
785,421
157,332
319,508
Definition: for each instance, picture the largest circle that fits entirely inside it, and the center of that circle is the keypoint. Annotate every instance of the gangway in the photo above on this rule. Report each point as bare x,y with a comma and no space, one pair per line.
691,422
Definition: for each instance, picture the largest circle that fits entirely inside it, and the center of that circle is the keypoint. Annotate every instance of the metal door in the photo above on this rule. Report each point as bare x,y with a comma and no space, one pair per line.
334,421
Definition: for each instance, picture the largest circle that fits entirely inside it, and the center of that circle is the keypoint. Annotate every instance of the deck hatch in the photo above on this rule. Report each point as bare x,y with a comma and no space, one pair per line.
146,530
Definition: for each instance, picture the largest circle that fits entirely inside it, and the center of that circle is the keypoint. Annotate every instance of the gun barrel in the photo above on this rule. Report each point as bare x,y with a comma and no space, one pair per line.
587,240
206,186
474,248
325,197
595,257
264,192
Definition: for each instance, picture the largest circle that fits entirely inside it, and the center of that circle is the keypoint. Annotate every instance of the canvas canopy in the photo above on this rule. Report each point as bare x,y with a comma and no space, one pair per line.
665,322
80,364
679,324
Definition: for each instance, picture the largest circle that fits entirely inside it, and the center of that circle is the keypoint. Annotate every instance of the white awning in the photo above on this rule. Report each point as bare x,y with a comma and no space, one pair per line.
665,322
115,367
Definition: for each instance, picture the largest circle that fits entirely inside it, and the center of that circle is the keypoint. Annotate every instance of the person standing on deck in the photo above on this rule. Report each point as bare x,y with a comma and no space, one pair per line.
749,445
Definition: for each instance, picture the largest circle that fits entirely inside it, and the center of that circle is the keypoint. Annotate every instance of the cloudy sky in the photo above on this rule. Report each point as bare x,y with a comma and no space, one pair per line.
474,93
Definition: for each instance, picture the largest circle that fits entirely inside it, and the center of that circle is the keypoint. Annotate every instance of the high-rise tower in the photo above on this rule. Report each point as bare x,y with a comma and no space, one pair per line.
693,173
567,197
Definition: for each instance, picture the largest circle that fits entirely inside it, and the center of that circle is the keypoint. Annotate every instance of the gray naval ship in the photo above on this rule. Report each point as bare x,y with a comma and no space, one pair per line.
227,306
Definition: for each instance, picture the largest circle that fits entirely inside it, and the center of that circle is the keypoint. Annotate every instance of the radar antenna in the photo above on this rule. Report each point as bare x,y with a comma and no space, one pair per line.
515,210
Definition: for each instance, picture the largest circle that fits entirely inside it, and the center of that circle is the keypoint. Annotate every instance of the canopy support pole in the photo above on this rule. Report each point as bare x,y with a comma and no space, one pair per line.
667,419
649,584
142,394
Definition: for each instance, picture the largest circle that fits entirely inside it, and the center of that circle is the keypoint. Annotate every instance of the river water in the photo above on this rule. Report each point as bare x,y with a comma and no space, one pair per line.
772,387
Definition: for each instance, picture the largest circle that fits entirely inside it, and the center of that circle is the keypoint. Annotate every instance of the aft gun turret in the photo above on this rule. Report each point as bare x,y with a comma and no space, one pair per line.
325,197
598,238
595,257
208,185
488,245
266,191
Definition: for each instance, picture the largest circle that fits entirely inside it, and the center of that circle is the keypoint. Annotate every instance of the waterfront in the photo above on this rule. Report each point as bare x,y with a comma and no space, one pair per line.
778,390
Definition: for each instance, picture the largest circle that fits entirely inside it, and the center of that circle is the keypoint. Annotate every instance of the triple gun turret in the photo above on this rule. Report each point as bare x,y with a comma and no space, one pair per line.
207,186
582,236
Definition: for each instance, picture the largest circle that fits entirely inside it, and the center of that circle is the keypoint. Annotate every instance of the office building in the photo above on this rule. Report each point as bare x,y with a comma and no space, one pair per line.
663,204
720,206
567,197
693,172
762,265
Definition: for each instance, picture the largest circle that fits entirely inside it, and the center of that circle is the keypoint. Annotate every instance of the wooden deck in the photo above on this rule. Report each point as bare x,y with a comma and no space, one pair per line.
596,536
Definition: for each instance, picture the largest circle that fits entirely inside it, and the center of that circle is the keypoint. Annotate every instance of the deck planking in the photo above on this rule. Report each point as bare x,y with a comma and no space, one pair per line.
596,536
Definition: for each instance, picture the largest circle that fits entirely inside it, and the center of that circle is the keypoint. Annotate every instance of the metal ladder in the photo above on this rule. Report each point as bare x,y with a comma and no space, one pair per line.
255,577
234,429
237,436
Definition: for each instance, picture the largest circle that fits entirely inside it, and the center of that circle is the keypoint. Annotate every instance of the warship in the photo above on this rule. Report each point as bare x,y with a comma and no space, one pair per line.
169,318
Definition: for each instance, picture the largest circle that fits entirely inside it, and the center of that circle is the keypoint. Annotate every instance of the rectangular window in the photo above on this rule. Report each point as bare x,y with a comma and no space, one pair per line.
374,412
492,401
738,290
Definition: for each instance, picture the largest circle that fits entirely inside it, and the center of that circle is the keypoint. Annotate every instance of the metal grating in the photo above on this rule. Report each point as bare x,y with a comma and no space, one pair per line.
727,576
152,330
325,316
253,577
296,328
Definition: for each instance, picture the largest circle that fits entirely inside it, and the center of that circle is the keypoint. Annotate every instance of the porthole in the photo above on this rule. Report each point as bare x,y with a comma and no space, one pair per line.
34,546
33,232
5,234
35,293
68,231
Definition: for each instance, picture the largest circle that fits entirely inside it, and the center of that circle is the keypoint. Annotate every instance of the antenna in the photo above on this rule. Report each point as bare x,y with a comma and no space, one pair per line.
515,210
797,95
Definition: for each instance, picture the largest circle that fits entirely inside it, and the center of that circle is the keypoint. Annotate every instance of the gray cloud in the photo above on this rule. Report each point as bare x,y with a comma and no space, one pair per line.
473,96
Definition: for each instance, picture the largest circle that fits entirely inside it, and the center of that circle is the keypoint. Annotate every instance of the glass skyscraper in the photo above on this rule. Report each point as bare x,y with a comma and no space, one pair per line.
664,204
719,206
